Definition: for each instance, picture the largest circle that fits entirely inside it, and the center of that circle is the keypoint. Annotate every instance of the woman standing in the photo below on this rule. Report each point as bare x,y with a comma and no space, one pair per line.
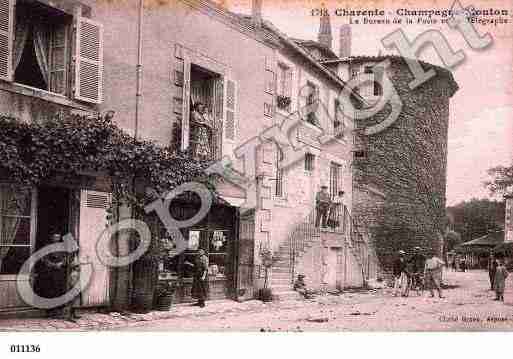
200,279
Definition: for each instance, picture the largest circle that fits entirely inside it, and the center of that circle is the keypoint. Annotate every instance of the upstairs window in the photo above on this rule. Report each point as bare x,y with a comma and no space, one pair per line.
35,50
312,101
309,162
41,47
279,174
284,87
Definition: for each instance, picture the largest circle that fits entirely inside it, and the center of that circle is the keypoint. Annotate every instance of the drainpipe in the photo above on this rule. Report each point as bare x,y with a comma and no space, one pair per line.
138,93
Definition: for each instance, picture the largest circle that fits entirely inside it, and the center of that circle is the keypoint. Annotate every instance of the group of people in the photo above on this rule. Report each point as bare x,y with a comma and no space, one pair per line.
417,272
328,210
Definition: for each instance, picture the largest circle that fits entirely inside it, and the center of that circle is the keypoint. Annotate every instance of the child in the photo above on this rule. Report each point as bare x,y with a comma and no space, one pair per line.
300,287
500,278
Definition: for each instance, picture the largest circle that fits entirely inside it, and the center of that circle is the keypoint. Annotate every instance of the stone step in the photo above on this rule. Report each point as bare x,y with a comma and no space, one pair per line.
286,295
281,282
281,287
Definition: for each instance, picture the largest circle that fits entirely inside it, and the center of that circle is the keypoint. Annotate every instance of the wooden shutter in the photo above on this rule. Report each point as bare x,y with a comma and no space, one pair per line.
186,103
93,220
89,61
58,59
6,38
245,252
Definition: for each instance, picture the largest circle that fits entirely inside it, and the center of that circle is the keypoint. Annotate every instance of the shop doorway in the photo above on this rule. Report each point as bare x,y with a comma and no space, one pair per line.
53,214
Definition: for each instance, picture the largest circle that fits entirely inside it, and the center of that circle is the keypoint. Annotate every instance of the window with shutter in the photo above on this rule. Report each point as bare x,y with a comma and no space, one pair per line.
6,38
89,61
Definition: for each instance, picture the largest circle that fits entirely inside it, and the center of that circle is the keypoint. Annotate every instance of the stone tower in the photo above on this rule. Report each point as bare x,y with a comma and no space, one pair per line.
406,163
345,41
324,37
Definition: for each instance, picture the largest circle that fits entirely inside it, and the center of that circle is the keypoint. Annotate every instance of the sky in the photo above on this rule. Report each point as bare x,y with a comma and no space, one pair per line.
481,112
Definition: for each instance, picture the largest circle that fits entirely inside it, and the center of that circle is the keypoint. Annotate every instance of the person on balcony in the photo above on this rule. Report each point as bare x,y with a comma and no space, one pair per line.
336,208
322,206
201,131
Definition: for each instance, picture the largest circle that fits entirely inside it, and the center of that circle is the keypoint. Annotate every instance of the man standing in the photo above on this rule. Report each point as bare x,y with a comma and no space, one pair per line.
432,274
322,205
492,269
336,210
417,262
399,274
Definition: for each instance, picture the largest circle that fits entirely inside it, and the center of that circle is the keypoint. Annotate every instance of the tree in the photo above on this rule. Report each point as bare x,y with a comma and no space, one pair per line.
501,182
451,240
475,218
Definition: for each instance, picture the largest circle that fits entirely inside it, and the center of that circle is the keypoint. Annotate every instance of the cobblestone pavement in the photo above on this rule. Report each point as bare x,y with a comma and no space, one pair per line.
468,306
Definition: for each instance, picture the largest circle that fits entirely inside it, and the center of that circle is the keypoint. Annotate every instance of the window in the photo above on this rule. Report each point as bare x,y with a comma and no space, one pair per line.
338,121
378,80
279,174
312,101
335,178
270,85
15,228
284,87
367,69
35,50
309,162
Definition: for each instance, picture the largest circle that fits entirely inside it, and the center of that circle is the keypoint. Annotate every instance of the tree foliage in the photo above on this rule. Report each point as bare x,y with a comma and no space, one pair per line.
501,181
476,218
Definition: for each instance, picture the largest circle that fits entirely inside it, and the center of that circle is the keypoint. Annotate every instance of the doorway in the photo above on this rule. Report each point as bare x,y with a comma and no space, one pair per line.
53,213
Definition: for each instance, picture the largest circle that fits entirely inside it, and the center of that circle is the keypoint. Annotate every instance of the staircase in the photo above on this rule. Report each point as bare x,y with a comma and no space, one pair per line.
301,240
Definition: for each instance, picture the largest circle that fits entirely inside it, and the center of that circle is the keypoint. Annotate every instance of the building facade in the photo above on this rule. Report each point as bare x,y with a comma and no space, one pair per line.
199,94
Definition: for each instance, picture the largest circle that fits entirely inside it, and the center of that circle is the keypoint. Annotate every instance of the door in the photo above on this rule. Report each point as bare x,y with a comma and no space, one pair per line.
93,221
332,279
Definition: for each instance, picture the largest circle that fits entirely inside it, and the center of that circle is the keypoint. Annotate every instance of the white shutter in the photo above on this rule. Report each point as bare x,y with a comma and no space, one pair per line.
230,116
93,220
6,38
89,61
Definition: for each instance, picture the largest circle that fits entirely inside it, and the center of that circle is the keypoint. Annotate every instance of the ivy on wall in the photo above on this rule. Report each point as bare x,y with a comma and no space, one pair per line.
35,152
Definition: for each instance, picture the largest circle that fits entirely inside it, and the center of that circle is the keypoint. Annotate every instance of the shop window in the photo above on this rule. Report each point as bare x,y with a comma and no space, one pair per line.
15,228
309,162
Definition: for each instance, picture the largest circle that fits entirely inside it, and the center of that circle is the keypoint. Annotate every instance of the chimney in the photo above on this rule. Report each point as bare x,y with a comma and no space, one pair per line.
508,222
345,41
256,13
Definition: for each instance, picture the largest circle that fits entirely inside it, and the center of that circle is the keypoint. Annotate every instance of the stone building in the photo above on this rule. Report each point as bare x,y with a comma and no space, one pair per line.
400,172
191,55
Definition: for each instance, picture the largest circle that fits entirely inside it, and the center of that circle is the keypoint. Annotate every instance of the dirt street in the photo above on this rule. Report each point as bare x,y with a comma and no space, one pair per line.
469,306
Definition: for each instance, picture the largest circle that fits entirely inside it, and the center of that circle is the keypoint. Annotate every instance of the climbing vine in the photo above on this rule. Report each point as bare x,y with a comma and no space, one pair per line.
34,152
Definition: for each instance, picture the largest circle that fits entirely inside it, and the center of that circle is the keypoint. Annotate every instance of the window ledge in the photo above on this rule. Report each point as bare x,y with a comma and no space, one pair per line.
44,95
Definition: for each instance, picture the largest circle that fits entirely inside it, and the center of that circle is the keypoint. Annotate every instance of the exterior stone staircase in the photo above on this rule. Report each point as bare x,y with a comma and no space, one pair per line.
301,240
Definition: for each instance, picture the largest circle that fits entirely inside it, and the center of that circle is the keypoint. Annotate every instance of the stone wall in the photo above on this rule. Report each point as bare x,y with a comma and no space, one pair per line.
407,162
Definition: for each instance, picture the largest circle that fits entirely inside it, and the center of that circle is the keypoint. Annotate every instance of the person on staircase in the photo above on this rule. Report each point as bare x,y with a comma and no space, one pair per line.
322,206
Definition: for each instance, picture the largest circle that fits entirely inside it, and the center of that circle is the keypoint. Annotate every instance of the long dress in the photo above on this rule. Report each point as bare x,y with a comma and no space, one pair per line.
200,286
202,134
500,279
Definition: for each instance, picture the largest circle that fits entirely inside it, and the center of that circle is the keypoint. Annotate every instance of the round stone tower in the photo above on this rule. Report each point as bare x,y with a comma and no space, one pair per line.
400,172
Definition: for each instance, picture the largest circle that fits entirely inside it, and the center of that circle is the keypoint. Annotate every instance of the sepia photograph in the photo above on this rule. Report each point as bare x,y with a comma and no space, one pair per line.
255,166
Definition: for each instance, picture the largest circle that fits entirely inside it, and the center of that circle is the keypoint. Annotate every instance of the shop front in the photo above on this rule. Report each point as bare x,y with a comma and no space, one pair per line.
217,235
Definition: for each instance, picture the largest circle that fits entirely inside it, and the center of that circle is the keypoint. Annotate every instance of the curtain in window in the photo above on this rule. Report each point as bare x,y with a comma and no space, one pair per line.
21,33
41,41
13,204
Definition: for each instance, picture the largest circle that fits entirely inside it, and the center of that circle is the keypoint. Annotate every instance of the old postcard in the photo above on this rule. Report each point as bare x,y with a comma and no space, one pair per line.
255,165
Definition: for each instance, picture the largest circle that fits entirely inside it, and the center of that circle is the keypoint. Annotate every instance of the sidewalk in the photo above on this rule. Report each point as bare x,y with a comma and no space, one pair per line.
91,321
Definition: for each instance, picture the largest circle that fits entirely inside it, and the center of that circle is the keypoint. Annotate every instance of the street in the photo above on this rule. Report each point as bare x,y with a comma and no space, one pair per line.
468,306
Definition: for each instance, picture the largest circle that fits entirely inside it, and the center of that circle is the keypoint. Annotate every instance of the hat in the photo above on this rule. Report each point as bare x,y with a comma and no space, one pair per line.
324,186
401,252
300,275
417,248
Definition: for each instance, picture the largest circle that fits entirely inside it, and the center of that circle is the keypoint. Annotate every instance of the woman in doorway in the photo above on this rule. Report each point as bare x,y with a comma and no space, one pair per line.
201,129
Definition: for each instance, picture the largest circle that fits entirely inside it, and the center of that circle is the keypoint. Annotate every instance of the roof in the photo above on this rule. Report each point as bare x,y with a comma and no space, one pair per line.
326,52
397,59
491,239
